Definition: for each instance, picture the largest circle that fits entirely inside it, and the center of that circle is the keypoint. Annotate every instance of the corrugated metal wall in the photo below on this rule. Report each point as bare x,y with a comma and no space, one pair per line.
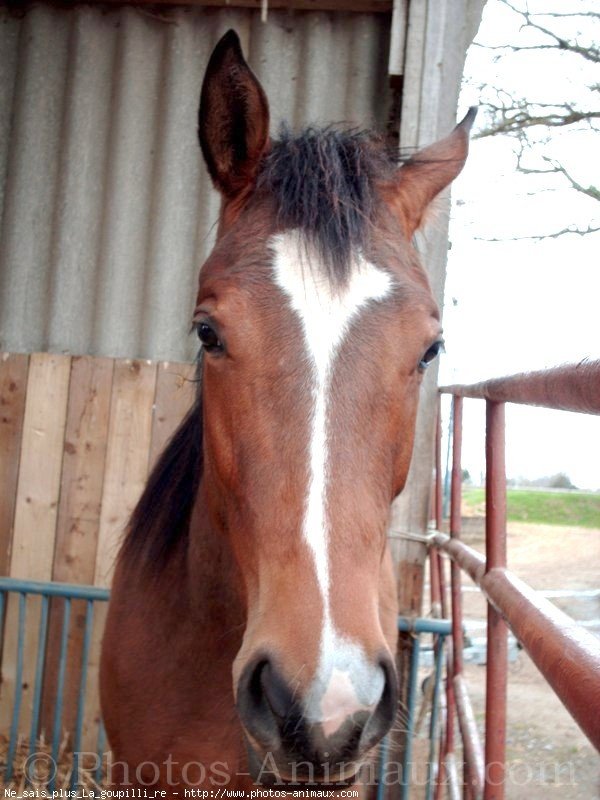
106,209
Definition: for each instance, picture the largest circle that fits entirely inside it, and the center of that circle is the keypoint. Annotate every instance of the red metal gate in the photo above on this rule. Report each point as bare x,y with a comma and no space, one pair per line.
567,655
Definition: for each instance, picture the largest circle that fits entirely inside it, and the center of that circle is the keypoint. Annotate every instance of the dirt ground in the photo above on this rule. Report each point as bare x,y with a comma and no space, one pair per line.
547,755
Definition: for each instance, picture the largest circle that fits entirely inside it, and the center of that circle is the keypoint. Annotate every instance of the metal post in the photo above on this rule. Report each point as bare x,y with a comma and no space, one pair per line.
14,725
497,632
39,676
473,762
410,717
437,566
87,638
439,499
434,583
433,724
446,493
434,556
455,525
60,685
455,578
447,732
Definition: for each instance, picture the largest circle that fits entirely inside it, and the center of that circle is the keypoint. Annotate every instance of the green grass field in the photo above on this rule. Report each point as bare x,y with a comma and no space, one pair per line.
546,508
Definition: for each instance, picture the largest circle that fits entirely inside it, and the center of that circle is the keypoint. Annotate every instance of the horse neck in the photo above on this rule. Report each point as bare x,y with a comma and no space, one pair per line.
193,601
213,578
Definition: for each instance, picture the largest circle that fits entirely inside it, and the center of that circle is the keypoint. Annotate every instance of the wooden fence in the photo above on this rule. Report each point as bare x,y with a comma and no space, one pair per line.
78,436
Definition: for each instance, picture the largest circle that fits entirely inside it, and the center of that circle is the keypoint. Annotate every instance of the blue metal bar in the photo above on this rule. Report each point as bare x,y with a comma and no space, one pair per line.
87,637
60,685
442,627
412,695
100,752
435,701
383,760
72,591
419,625
67,592
14,725
39,675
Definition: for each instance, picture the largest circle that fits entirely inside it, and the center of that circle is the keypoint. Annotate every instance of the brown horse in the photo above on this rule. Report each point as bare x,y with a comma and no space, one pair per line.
252,625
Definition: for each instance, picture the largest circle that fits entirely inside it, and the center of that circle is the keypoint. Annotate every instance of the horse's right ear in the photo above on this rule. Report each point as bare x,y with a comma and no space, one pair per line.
233,120
428,172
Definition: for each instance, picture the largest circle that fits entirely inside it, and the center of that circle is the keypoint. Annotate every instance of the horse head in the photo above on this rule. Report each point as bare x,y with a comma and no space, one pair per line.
317,322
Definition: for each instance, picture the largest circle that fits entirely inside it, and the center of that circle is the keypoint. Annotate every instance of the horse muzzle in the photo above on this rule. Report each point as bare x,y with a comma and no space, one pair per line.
293,739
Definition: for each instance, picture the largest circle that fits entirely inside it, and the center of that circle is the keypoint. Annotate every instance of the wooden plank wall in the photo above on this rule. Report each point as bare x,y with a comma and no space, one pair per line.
78,436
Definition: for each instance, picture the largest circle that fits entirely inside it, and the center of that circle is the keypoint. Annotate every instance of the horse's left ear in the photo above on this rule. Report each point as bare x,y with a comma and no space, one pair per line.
233,120
428,172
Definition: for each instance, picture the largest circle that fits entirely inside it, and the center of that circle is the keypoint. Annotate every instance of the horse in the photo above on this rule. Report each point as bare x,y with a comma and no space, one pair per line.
252,625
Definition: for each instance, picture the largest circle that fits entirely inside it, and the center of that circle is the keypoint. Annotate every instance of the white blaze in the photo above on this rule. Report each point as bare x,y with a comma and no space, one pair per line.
344,677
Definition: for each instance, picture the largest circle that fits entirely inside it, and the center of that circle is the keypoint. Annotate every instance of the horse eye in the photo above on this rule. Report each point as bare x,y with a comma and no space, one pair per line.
208,337
433,351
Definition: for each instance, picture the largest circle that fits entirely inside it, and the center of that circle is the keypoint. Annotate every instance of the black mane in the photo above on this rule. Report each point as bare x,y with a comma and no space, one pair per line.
323,183
161,518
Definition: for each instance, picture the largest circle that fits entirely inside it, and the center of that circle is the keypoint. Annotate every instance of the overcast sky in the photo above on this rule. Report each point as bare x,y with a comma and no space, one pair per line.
517,305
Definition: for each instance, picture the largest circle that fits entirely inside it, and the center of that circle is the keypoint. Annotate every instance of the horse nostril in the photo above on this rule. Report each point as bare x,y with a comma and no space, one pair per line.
277,693
384,714
252,705
265,702
254,681
390,688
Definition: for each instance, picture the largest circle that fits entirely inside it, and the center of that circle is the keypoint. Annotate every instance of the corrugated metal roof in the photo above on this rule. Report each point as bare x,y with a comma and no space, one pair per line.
106,208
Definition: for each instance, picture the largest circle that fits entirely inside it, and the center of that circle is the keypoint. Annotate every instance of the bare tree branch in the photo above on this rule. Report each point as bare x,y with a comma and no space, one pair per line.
556,168
571,229
522,119
588,52
517,117
592,14
592,54
590,191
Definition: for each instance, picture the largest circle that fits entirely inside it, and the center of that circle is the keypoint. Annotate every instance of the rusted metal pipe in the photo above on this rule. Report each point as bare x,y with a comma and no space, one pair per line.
456,485
447,728
450,702
567,655
439,499
473,762
574,387
441,761
497,632
442,788
452,773
434,583
447,736
472,562
446,745
495,487
437,600
470,735
455,524
468,790
443,582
